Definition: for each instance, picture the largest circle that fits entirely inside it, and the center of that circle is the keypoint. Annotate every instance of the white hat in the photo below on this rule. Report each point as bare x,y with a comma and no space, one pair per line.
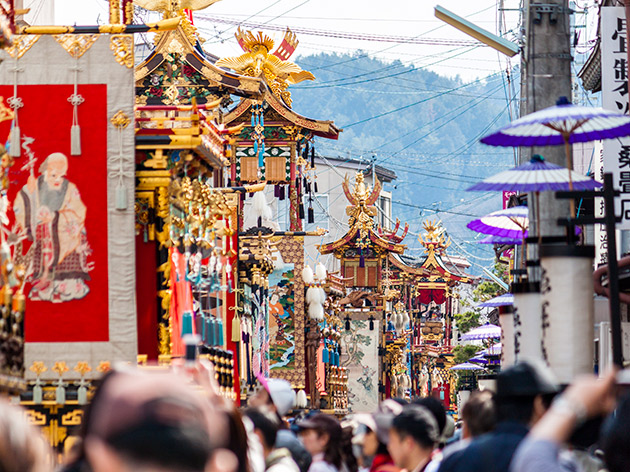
282,395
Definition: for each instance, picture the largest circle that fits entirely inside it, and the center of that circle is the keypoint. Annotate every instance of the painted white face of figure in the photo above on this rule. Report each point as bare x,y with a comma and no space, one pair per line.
55,173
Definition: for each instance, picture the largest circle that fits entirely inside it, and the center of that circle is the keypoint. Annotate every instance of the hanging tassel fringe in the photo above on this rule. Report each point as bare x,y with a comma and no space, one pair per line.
75,140
325,357
236,329
301,211
281,193
121,197
14,142
311,215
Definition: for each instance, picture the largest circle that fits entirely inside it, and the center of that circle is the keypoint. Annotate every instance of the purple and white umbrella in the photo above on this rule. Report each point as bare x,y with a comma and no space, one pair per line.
479,360
502,300
499,240
494,350
561,124
536,176
487,331
466,366
509,223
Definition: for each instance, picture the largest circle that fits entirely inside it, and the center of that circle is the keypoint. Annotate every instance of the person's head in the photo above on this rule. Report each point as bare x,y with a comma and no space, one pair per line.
22,447
322,433
524,392
367,435
276,395
616,438
54,169
412,437
266,427
436,408
143,421
478,414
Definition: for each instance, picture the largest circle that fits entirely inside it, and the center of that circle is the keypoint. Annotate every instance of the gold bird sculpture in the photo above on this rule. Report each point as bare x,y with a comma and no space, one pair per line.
259,61
173,5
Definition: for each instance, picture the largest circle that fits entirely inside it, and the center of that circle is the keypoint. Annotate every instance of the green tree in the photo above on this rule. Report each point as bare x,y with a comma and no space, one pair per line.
490,289
467,321
464,352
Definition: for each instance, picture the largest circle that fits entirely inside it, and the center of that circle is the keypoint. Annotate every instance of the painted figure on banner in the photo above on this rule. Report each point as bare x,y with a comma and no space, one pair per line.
281,319
50,210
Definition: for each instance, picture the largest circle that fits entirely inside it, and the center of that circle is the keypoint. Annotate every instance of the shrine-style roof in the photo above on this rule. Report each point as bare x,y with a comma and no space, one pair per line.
322,128
361,214
178,56
430,268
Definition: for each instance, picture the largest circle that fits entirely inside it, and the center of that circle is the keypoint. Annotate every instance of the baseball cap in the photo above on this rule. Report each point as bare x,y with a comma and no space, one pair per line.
526,378
281,393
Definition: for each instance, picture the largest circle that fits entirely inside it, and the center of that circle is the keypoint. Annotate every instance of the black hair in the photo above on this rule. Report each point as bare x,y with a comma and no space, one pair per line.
268,426
382,448
153,442
617,438
437,410
237,440
418,422
479,413
519,409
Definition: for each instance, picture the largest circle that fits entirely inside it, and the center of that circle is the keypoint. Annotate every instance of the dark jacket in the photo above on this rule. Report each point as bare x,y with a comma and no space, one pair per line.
491,452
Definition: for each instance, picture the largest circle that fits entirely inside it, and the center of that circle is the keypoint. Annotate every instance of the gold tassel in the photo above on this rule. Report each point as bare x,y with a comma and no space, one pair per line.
75,140
14,142
236,329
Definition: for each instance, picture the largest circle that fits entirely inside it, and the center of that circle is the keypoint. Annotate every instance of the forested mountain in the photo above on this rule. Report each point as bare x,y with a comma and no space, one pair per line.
423,126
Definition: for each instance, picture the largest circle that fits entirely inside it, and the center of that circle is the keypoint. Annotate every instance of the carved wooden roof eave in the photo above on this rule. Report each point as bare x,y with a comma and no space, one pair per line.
350,235
424,271
322,128
329,248
235,84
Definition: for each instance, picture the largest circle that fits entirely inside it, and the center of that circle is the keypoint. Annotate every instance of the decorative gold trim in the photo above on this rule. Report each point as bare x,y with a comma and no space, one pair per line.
21,44
120,120
35,417
72,418
122,45
76,44
82,368
5,112
38,368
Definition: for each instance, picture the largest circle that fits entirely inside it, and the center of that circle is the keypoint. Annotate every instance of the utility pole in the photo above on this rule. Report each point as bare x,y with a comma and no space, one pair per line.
547,64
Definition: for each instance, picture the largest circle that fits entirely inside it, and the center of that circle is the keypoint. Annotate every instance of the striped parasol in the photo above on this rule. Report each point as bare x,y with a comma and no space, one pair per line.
498,240
502,300
487,331
494,350
536,176
561,124
466,366
509,223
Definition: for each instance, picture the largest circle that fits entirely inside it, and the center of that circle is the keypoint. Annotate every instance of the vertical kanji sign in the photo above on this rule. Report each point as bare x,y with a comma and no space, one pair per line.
615,97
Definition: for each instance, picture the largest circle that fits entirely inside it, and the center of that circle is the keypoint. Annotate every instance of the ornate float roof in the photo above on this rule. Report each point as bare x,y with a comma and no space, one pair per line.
361,213
273,67
178,70
322,128
432,267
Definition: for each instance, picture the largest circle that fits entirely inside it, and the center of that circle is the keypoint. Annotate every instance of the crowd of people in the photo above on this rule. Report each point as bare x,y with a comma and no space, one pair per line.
176,421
